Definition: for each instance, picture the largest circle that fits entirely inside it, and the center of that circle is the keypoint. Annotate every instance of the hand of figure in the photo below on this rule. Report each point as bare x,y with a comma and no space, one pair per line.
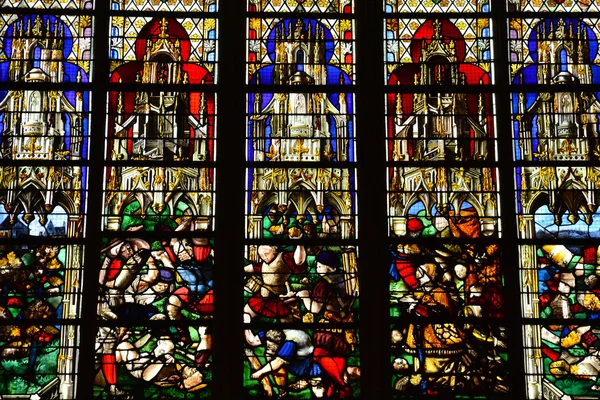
169,359
256,375
160,254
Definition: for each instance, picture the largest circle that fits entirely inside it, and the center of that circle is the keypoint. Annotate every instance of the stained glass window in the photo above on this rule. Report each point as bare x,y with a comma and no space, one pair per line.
556,139
112,180
301,287
155,301
44,141
447,336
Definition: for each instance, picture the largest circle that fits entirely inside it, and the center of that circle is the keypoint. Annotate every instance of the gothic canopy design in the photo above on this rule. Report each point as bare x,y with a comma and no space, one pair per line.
44,141
300,298
155,297
557,129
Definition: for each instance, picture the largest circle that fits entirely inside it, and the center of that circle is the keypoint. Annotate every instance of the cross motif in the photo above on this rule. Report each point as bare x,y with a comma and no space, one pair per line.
163,28
300,149
437,26
32,147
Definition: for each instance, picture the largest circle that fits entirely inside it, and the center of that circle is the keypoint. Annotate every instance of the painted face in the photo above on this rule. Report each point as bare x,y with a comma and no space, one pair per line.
163,347
396,336
160,287
126,251
460,271
309,230
350,336
266,253
323,269
317,388
353,372
400,364
273,216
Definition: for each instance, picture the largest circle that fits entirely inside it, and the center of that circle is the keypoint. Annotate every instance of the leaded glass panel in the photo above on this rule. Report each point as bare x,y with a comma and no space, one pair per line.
48,4
556,128
170,277
564,356
155,199
438,51
301,127
155,300
305,195
44,124
45,48
433,127
161,126
333,351
153,50
564,6
310,203
300,51
301,6
38,200
554,51
446,285
443,202
44,138
36,336
436,6
165,5
130,357
306,277
423,351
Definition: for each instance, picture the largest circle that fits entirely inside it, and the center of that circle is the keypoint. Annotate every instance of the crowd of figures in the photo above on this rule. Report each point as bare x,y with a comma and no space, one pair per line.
432,290
292,285
141,284
444,300
31,291
567,279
